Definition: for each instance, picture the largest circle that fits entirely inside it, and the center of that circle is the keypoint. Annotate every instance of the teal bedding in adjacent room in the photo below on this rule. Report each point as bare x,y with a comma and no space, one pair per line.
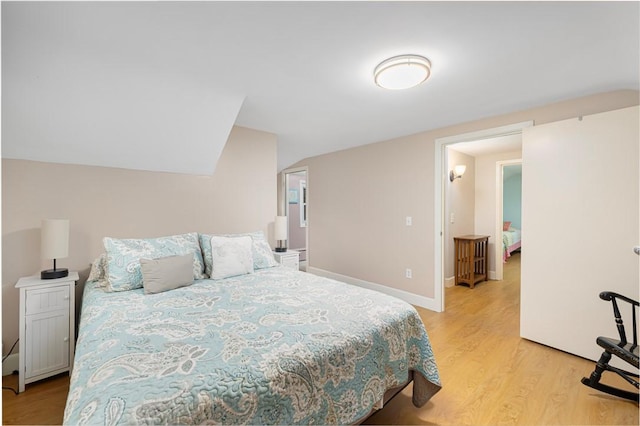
276,346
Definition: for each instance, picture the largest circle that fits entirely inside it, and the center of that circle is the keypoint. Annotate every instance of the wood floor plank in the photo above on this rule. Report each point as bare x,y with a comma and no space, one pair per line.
42,403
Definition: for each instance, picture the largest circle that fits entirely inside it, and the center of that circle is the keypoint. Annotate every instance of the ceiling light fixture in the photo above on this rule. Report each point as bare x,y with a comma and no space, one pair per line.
402,72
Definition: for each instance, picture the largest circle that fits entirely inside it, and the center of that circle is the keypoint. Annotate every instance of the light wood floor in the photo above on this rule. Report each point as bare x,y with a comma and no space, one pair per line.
490,375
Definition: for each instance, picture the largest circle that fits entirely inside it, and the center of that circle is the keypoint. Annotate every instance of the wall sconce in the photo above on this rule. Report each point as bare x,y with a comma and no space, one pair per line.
280,229
54,245
457,172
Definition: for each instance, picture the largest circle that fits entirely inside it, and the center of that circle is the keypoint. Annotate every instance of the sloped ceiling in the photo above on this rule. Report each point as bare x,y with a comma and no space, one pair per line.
159,85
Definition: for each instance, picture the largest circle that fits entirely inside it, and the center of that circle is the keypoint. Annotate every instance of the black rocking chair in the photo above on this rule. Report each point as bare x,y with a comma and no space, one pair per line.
622,348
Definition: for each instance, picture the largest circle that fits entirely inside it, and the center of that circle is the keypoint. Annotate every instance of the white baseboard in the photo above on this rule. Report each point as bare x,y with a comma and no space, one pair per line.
11,364
491,275
414,299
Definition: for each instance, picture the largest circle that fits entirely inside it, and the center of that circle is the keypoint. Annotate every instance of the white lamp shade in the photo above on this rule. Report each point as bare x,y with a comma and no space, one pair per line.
460,169
55,238
281,228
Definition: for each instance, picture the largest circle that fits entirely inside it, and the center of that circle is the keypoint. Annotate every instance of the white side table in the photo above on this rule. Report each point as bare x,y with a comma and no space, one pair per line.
47,327
289,258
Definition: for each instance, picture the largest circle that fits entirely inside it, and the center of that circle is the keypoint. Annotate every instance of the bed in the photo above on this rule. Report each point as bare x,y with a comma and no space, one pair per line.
274,346
511,241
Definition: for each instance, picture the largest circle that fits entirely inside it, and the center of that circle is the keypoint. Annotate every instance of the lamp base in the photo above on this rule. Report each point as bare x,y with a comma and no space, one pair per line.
51,274
281,249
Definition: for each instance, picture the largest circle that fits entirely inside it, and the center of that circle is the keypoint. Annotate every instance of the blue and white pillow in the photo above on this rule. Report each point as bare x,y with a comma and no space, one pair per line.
260,249
123,257
98,273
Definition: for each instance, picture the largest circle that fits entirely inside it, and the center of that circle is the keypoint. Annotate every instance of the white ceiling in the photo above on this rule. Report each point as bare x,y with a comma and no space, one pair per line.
158,85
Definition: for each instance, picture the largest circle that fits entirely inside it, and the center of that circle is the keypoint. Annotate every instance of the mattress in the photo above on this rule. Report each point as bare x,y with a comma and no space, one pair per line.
277,346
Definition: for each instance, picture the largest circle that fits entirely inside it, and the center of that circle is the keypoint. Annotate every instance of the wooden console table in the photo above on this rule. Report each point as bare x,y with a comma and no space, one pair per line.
471,261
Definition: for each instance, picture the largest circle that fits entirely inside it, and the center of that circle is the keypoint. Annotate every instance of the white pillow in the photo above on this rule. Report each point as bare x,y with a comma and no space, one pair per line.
231,256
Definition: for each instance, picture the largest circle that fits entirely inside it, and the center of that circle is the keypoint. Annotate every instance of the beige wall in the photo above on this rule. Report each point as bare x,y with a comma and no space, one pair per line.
358,202
459,200
358,198
99,202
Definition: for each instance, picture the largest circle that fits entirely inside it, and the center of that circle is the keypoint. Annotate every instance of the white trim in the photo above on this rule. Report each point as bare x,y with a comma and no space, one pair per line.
302,202
284,206
438,222
285,202
11,364
414,299
450,282
509,129
438,202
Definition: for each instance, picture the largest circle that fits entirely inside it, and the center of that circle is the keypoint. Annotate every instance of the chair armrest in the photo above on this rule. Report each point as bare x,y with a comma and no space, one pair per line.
610,295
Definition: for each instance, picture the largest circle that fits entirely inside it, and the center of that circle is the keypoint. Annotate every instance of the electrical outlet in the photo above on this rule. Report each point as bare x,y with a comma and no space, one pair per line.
407,273
453,218
409,221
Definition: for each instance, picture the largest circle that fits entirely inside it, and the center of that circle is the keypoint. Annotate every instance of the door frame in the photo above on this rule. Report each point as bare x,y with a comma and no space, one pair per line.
499,272
440,176
283,206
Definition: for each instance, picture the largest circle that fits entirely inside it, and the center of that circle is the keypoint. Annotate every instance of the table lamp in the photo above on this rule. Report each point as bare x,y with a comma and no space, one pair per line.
281,233
54,245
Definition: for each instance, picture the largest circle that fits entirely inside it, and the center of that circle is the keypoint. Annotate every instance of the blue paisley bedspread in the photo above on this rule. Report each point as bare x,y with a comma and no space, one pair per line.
274,347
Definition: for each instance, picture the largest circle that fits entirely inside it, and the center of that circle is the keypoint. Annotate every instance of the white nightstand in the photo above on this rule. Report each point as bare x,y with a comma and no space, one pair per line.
47,327
289,258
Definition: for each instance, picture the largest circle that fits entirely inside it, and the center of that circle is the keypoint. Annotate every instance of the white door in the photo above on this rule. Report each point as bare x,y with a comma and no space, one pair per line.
580,210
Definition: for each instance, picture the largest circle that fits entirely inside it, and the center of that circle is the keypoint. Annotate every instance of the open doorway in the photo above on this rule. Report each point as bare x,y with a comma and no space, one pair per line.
296,208
486,216
508,212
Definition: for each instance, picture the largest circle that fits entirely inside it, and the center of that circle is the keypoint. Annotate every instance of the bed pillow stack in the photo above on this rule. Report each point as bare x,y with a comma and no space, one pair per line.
213,256
123,257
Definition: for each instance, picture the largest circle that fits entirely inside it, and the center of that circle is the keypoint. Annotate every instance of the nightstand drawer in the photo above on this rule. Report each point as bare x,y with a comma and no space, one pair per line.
289,258
47,299
290,261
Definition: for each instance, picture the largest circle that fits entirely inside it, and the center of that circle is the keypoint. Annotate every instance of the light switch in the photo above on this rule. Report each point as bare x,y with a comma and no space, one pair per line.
409,221
453,218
